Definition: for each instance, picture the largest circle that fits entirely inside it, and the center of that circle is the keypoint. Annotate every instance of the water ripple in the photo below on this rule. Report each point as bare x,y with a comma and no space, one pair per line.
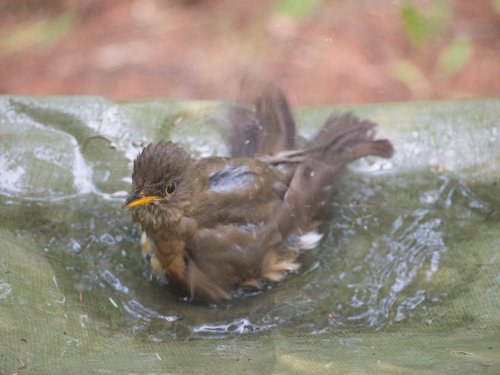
146,314
393,263
114,282
243,325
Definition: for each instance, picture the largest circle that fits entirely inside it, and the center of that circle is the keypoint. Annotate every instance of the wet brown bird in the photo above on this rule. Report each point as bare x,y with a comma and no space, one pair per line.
216,224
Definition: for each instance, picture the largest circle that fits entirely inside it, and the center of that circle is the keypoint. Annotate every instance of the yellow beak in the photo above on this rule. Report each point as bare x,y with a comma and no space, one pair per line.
135,200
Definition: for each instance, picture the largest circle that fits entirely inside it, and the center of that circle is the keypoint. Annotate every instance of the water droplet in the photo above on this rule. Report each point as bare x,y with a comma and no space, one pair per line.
113,281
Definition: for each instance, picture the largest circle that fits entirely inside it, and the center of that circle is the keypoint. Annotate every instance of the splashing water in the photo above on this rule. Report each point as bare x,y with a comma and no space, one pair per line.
379,264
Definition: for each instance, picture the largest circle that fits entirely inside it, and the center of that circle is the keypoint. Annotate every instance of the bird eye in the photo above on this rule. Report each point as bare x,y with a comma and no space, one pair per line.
170,188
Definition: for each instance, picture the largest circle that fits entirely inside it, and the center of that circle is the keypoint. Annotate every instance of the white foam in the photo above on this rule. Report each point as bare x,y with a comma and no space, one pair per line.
310,240
12,176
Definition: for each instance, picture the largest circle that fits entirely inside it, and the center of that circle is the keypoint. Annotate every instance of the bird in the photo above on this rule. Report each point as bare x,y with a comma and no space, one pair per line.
217,225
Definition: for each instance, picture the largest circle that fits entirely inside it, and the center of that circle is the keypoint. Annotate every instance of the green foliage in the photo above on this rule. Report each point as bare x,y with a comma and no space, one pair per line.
410,74
420,27
43,33
455,56
297,8
406,72
496,5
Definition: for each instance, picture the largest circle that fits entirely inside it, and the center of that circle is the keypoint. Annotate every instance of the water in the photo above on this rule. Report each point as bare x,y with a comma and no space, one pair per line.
386,257
407,265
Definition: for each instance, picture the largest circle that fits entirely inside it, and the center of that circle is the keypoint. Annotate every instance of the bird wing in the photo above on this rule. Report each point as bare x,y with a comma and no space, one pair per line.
238,191
266,130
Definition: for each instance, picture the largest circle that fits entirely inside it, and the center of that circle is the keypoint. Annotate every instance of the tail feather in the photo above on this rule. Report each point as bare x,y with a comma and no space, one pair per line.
345,133
381,147
244,132
342,139
267,131
270,134
278,130
339,126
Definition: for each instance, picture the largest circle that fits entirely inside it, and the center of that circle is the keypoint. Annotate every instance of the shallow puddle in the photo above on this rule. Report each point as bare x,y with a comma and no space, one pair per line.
405,277
386,256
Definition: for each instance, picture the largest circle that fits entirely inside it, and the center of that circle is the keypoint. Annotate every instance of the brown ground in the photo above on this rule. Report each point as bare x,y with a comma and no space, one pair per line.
339,51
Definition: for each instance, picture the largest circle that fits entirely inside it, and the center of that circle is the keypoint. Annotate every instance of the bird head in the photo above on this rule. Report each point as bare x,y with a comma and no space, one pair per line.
161,185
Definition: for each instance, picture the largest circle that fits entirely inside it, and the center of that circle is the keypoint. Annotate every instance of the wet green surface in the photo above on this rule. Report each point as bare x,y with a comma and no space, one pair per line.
405,280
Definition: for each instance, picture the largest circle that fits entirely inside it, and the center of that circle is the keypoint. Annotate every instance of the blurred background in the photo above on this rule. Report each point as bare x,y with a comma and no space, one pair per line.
318,51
